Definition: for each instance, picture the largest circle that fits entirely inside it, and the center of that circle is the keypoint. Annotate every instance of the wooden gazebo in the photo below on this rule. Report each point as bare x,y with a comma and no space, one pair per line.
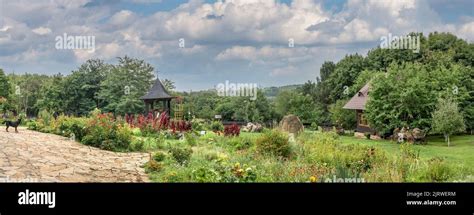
158,93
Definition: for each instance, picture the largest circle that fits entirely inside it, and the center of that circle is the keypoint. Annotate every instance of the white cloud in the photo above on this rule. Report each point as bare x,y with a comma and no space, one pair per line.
260,54
467,31
217,34
42,30
122,17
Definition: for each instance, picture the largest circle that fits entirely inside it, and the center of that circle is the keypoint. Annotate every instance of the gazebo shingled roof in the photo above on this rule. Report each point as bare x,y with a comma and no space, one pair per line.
157,92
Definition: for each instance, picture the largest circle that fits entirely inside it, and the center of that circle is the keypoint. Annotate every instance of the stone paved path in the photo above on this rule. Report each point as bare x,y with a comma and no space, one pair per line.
30,156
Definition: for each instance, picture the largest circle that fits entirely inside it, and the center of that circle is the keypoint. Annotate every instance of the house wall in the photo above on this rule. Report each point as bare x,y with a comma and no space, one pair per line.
361,127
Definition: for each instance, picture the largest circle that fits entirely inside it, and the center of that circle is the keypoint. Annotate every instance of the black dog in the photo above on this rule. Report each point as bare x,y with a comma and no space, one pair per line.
14,124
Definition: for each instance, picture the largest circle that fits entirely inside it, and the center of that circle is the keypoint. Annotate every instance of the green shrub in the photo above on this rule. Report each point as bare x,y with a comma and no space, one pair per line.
45,116
67,126
205,174
217,126
244,173
215,156
138,144
137,132
274,142
181,155
159,156
153,166
407,163
326,150
407,151
438,170
32,125
198,124
172,176
104,132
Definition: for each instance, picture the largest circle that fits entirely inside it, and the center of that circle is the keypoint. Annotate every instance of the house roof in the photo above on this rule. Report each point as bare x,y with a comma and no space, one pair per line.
157,92
358,101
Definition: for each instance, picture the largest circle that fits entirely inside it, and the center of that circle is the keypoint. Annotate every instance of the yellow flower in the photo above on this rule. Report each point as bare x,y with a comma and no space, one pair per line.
313,179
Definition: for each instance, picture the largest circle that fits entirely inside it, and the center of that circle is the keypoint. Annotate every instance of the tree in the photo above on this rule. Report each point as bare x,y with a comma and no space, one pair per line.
346,72
303,106
401,98
308,88
81,88
406,95
282,104
447,119
26,89
52,95
244,109
125,84
4,85
363,78
201,104
326,70
168,84
322,91
4,91
342,117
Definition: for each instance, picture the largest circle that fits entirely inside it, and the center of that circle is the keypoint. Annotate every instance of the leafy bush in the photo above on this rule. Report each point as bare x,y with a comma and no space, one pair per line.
105,132
274,142
153,166
438,170
244,173
198,124
407,162
342,118
138,144
68,126
33,125
217,126
223,172
325,149
159,156
205,174
45,116
181,155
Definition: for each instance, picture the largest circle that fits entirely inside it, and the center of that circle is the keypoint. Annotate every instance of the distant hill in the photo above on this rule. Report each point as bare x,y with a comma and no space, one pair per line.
272,92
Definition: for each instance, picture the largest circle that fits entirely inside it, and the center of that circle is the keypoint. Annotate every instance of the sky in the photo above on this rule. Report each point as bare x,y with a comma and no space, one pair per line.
240,41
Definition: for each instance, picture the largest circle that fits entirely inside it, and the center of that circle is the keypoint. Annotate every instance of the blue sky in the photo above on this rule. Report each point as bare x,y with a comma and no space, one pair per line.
242,41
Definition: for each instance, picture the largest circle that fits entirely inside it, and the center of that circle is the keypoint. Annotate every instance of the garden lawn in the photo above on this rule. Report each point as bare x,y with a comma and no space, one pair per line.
460,152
